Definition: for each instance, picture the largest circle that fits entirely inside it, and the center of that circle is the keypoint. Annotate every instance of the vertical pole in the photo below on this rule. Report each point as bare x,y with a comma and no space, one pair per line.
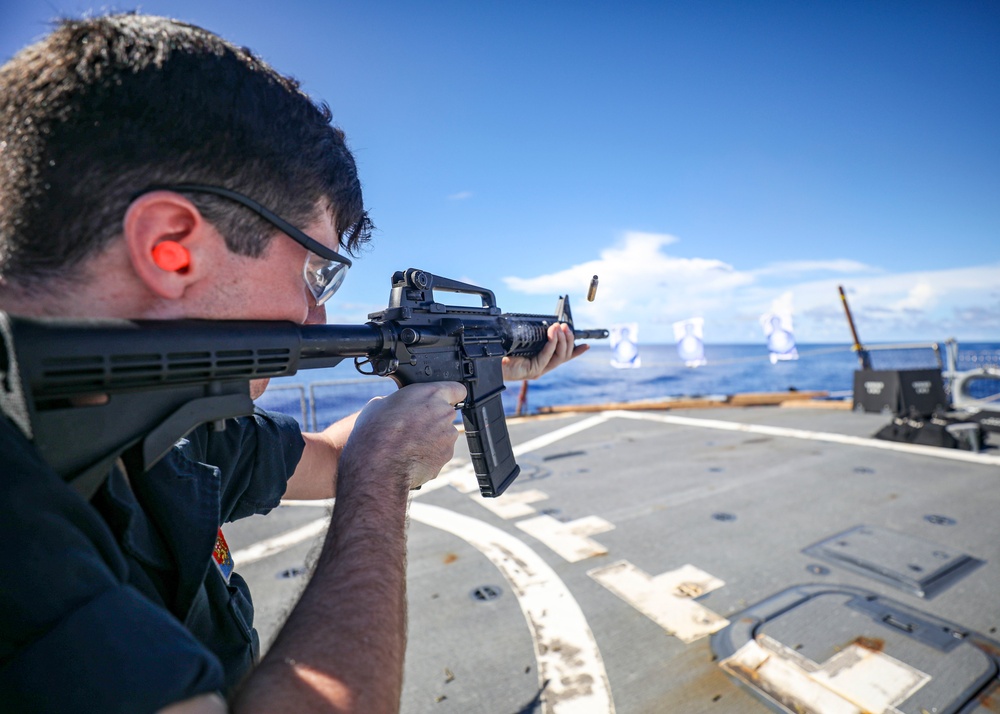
522,398
862,352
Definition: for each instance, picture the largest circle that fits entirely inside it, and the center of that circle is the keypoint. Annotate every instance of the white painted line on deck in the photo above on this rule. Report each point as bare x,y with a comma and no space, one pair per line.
567,653
917,449
539,442
667,599
460,474
270,546
554,436
568,539
513,505
457,473
462,477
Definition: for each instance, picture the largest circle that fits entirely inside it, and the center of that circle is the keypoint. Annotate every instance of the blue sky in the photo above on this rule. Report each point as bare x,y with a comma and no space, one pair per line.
709,159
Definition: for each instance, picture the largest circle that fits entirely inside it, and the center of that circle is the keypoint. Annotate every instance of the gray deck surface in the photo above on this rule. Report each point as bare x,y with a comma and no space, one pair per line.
738,505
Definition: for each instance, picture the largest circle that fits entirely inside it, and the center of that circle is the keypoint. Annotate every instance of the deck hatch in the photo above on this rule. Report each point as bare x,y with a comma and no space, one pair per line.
819,649
911,564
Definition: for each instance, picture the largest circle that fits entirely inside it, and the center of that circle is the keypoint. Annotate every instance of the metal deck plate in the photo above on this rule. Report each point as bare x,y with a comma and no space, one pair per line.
912,564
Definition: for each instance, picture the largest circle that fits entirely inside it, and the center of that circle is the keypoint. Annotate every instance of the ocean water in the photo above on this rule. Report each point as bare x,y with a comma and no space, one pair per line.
319,397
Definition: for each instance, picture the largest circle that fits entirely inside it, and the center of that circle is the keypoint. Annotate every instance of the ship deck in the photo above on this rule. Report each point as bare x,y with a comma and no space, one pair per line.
728,560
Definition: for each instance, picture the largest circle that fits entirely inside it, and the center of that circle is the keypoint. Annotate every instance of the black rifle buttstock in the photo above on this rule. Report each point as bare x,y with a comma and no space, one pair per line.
94,389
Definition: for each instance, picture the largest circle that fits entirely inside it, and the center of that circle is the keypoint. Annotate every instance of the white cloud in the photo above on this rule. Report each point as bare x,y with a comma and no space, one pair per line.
918,305
792,267
782,305
921,296
460,196
636,278
641,282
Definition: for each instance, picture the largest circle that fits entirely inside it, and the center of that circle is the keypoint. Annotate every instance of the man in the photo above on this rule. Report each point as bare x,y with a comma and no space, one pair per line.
149,169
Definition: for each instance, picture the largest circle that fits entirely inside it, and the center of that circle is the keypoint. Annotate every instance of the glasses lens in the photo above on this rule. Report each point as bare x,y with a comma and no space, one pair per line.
324,276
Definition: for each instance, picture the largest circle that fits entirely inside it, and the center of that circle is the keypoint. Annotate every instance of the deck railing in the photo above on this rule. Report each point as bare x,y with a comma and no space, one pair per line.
306,401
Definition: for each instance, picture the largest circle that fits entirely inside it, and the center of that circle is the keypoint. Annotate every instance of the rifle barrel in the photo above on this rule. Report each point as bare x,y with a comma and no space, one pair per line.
590,334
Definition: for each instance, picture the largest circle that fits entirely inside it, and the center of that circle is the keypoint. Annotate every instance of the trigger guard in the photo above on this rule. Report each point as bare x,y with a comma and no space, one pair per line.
361,361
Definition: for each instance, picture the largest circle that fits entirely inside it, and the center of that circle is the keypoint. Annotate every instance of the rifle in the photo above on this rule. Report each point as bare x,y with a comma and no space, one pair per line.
91,391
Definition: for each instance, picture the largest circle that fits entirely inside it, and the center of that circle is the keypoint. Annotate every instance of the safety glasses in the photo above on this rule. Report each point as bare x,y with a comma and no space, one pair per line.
325,268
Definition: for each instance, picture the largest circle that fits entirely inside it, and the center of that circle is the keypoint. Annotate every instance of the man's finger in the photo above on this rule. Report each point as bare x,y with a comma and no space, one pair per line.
453,392
566,342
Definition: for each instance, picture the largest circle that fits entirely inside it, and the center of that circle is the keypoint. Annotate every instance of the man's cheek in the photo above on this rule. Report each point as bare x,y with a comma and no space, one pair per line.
257,387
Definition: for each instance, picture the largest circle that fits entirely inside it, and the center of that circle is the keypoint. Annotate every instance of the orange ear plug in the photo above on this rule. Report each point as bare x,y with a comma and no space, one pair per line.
171,256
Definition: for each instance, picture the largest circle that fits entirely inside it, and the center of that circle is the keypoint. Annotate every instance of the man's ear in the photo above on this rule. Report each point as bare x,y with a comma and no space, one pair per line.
168,242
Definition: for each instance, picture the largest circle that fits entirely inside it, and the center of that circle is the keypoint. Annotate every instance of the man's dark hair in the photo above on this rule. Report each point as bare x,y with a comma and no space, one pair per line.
105,107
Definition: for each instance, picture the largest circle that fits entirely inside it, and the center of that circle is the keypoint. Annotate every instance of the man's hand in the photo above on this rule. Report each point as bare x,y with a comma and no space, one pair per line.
410,432
557,350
